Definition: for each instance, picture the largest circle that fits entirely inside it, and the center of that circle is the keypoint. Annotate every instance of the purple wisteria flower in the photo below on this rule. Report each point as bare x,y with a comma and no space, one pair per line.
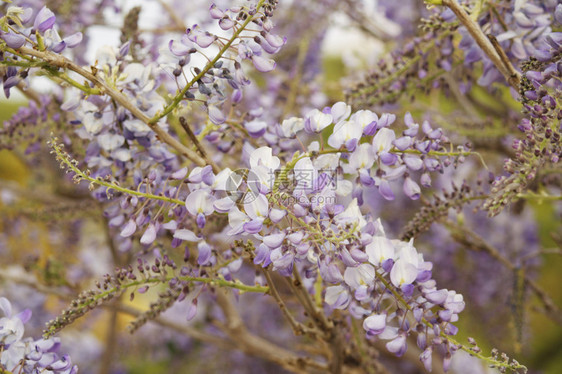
217,182
25,354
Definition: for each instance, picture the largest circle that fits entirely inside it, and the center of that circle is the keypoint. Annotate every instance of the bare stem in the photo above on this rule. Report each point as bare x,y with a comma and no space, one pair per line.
200,148
257,346
502,64
298,328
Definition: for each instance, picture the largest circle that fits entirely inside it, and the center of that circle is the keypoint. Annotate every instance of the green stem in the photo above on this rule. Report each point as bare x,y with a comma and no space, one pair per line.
213,282
179,97
476,10
82,87
53,73
539,197
64,158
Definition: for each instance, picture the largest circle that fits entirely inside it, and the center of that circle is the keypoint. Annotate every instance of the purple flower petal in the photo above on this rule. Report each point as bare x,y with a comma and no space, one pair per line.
558,13
44,20
226,23
24,316
385,190
58,47
63,364
254,226
129,229
284,262
192,310
178,49
13,40
330,273
73,40
256,128
185,234
200,220
375,324
403,143
205,39
149,235
413,162
215,12
205,252
274,240
425,180
275,40
216,116
411,189
398,346
262,254
263,64
425,358
179,174
388,158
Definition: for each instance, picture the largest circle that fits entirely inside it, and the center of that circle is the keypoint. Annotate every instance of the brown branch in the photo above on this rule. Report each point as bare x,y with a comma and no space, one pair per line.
111,333
503,57
317,316
503,65
217,341
297,327
189,132
259,347
110,342
337,349
239,338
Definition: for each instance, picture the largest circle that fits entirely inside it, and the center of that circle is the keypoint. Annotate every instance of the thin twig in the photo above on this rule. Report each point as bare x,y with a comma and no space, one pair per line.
256,346
239,338
110,342
298,328
337,349
200,148
547,251
318,316
503,65
503,56
218,341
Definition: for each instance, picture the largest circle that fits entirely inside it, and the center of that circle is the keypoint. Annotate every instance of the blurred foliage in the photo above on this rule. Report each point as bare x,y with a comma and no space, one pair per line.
11,167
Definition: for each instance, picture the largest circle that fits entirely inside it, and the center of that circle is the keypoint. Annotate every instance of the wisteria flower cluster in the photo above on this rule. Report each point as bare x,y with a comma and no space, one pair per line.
25,355
202,175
